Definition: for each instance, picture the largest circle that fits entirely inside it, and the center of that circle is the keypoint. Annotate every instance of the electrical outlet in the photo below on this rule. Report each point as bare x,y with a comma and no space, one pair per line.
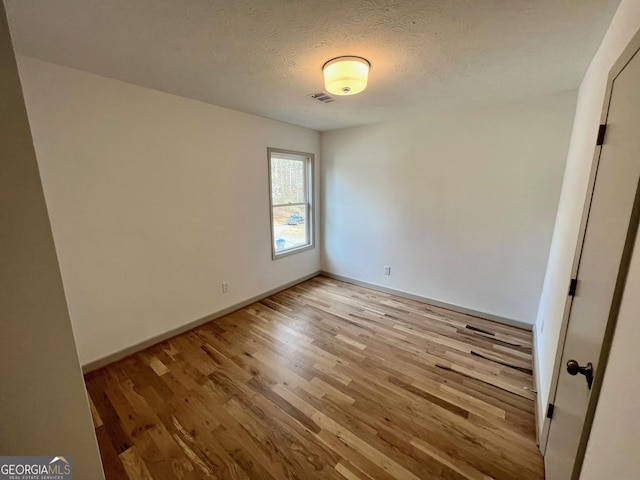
225,287
387,270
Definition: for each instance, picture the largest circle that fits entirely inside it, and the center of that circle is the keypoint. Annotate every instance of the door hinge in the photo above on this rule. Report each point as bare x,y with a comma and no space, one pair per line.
601,133
572,286
550,409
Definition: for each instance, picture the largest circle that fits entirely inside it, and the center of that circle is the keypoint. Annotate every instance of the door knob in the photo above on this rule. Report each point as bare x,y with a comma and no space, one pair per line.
574,368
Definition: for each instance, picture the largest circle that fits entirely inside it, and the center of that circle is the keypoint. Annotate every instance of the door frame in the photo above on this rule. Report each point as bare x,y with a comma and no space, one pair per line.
632,48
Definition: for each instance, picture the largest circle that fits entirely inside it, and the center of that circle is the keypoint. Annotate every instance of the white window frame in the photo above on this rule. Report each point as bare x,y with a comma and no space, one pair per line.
308,159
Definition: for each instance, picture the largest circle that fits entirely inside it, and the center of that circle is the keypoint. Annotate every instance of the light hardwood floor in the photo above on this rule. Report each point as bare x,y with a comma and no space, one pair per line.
325,380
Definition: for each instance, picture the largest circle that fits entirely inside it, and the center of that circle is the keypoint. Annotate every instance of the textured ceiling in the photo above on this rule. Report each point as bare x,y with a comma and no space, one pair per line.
265,56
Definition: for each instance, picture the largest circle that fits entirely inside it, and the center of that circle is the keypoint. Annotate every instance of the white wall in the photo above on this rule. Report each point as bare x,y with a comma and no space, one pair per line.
43,404
155,200
461,206
623,27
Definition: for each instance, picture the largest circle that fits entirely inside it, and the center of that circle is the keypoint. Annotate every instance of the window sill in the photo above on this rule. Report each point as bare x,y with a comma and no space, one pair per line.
275,255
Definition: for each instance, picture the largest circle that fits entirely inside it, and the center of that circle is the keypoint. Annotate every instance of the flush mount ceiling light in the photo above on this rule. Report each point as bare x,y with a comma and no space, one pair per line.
346,75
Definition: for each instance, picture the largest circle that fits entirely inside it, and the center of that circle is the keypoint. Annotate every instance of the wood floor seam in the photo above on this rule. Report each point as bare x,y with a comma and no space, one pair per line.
324,380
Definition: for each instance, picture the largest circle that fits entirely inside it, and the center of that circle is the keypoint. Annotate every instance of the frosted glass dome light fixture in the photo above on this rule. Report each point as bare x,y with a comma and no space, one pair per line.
346,75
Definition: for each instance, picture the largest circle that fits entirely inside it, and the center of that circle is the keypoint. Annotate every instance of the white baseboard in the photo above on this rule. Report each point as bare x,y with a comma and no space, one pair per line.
119,355
536,380
106,360
430,301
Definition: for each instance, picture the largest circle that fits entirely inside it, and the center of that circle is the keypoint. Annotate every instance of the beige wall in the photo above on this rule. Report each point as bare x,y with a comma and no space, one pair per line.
623,27
43,404
155,200
460,205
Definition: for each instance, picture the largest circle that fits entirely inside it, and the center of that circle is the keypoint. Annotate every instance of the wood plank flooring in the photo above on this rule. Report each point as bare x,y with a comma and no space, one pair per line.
325,380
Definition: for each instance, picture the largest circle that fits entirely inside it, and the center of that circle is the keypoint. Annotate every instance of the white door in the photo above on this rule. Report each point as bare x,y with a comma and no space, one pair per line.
606,231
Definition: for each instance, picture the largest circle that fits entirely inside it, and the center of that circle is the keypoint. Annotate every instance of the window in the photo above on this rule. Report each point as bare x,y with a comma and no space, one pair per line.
290,181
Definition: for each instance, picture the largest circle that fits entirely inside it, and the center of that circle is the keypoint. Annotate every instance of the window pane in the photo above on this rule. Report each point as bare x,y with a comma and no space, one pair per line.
291,206
289,228
287,181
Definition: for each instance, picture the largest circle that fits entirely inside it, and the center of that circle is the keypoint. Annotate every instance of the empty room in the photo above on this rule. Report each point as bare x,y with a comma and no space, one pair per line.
303,239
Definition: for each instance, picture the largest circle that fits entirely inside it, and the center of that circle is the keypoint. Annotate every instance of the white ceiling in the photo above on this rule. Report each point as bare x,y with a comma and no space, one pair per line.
265,56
